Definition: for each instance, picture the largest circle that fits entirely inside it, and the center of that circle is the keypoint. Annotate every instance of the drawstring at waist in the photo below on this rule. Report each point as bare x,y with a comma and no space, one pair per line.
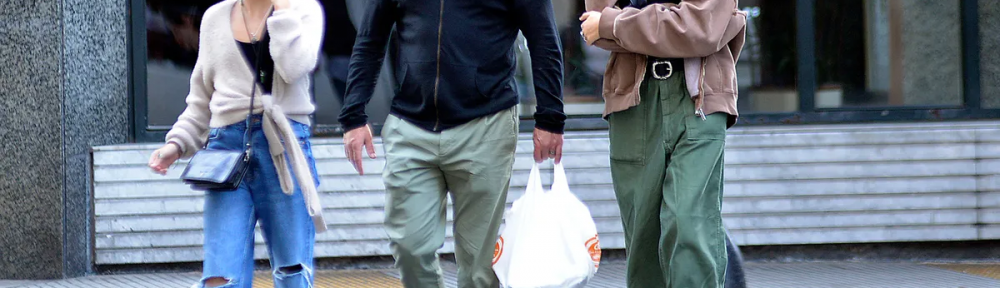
279,133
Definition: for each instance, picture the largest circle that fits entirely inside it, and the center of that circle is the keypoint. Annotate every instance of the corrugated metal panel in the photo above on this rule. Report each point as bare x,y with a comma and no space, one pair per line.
784,185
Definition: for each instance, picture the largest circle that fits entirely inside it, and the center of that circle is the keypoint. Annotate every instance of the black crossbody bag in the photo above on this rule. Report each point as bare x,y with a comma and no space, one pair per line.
223,170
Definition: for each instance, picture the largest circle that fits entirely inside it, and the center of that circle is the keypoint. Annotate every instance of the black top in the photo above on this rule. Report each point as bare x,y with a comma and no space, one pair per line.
266,75
340,32
455,63
639,4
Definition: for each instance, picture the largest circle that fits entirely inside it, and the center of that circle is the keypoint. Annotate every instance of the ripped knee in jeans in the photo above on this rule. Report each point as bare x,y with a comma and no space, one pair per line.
213,282
291,271
297,275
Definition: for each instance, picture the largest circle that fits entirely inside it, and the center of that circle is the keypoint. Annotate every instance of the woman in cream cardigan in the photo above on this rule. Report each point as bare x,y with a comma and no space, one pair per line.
269,48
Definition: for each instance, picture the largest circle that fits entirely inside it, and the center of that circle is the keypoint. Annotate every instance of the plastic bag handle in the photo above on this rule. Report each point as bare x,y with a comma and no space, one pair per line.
560,183
534,181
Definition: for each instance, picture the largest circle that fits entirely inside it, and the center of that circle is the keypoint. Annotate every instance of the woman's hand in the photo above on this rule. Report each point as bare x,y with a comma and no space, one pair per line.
280,4
590,26
163,158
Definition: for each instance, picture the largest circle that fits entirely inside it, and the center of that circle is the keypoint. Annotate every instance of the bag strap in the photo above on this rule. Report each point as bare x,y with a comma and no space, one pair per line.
247,140
534,181
559,181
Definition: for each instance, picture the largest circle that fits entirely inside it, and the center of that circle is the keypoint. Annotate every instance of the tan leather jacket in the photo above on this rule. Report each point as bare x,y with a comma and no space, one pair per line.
708,34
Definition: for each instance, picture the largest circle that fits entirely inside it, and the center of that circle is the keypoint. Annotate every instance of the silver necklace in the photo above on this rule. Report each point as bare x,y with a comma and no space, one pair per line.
246,23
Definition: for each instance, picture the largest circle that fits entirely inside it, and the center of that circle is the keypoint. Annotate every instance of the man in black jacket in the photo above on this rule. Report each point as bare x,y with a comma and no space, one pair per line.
453,124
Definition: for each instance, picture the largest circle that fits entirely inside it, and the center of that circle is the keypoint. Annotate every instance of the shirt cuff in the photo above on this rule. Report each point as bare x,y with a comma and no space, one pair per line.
606,28
551,126
351,124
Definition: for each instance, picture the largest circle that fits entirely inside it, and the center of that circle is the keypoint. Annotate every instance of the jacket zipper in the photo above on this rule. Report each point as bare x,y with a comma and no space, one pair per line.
638,91
437,77
701,98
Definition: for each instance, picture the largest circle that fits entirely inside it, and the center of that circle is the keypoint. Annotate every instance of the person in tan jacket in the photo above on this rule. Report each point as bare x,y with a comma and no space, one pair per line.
670,91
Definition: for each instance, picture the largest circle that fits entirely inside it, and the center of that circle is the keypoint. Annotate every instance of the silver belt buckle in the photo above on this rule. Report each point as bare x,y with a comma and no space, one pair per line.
670,69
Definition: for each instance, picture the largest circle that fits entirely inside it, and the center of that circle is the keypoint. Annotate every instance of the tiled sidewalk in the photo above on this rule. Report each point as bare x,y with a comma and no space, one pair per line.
611,275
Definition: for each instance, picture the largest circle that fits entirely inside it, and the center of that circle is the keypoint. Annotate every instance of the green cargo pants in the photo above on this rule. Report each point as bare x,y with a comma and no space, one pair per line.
666,164
473,162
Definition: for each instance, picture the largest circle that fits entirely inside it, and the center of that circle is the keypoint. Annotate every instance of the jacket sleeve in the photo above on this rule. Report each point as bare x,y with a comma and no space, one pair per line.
536,21
610,46
366,61
296,38
190,132
696,28
598,6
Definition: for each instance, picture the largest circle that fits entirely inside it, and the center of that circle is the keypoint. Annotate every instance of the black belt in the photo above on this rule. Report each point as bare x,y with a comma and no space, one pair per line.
664,68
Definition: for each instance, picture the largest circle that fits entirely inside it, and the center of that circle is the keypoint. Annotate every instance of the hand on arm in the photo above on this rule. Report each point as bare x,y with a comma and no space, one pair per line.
590,26
590,29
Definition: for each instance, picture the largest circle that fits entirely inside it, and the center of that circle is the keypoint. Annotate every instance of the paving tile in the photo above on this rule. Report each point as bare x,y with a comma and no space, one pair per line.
859,275
612,275
979,269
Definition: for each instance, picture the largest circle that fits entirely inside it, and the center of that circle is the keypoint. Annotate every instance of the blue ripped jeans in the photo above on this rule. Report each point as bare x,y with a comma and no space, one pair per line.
230,216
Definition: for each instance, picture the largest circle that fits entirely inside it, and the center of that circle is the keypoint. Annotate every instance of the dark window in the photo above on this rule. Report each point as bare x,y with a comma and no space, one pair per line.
583,65
165,35
805,61
768,66
888,53
171,52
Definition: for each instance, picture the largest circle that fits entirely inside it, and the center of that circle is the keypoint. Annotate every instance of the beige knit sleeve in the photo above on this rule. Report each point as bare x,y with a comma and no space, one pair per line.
296,38
190,131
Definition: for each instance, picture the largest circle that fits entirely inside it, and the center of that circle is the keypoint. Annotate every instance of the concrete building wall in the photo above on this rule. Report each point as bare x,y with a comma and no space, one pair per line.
989,24
932,53
64,81
31,191
784,185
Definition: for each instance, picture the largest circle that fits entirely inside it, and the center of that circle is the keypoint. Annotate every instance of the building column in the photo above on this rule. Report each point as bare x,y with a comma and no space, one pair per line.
64,83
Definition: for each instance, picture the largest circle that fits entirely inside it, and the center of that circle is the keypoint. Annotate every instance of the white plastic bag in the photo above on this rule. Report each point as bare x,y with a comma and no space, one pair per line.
550,240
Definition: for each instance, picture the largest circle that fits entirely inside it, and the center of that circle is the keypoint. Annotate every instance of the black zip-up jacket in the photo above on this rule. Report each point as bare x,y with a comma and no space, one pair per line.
454,60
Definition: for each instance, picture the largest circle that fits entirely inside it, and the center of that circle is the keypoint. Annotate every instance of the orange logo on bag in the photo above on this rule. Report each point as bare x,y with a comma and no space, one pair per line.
498,250
594,247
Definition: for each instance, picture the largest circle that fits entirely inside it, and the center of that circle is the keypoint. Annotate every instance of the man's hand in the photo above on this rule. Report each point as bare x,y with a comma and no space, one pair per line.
548,145
356,139
590,26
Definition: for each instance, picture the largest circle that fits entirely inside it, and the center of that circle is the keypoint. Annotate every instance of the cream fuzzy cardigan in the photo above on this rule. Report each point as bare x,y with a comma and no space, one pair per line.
221,87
